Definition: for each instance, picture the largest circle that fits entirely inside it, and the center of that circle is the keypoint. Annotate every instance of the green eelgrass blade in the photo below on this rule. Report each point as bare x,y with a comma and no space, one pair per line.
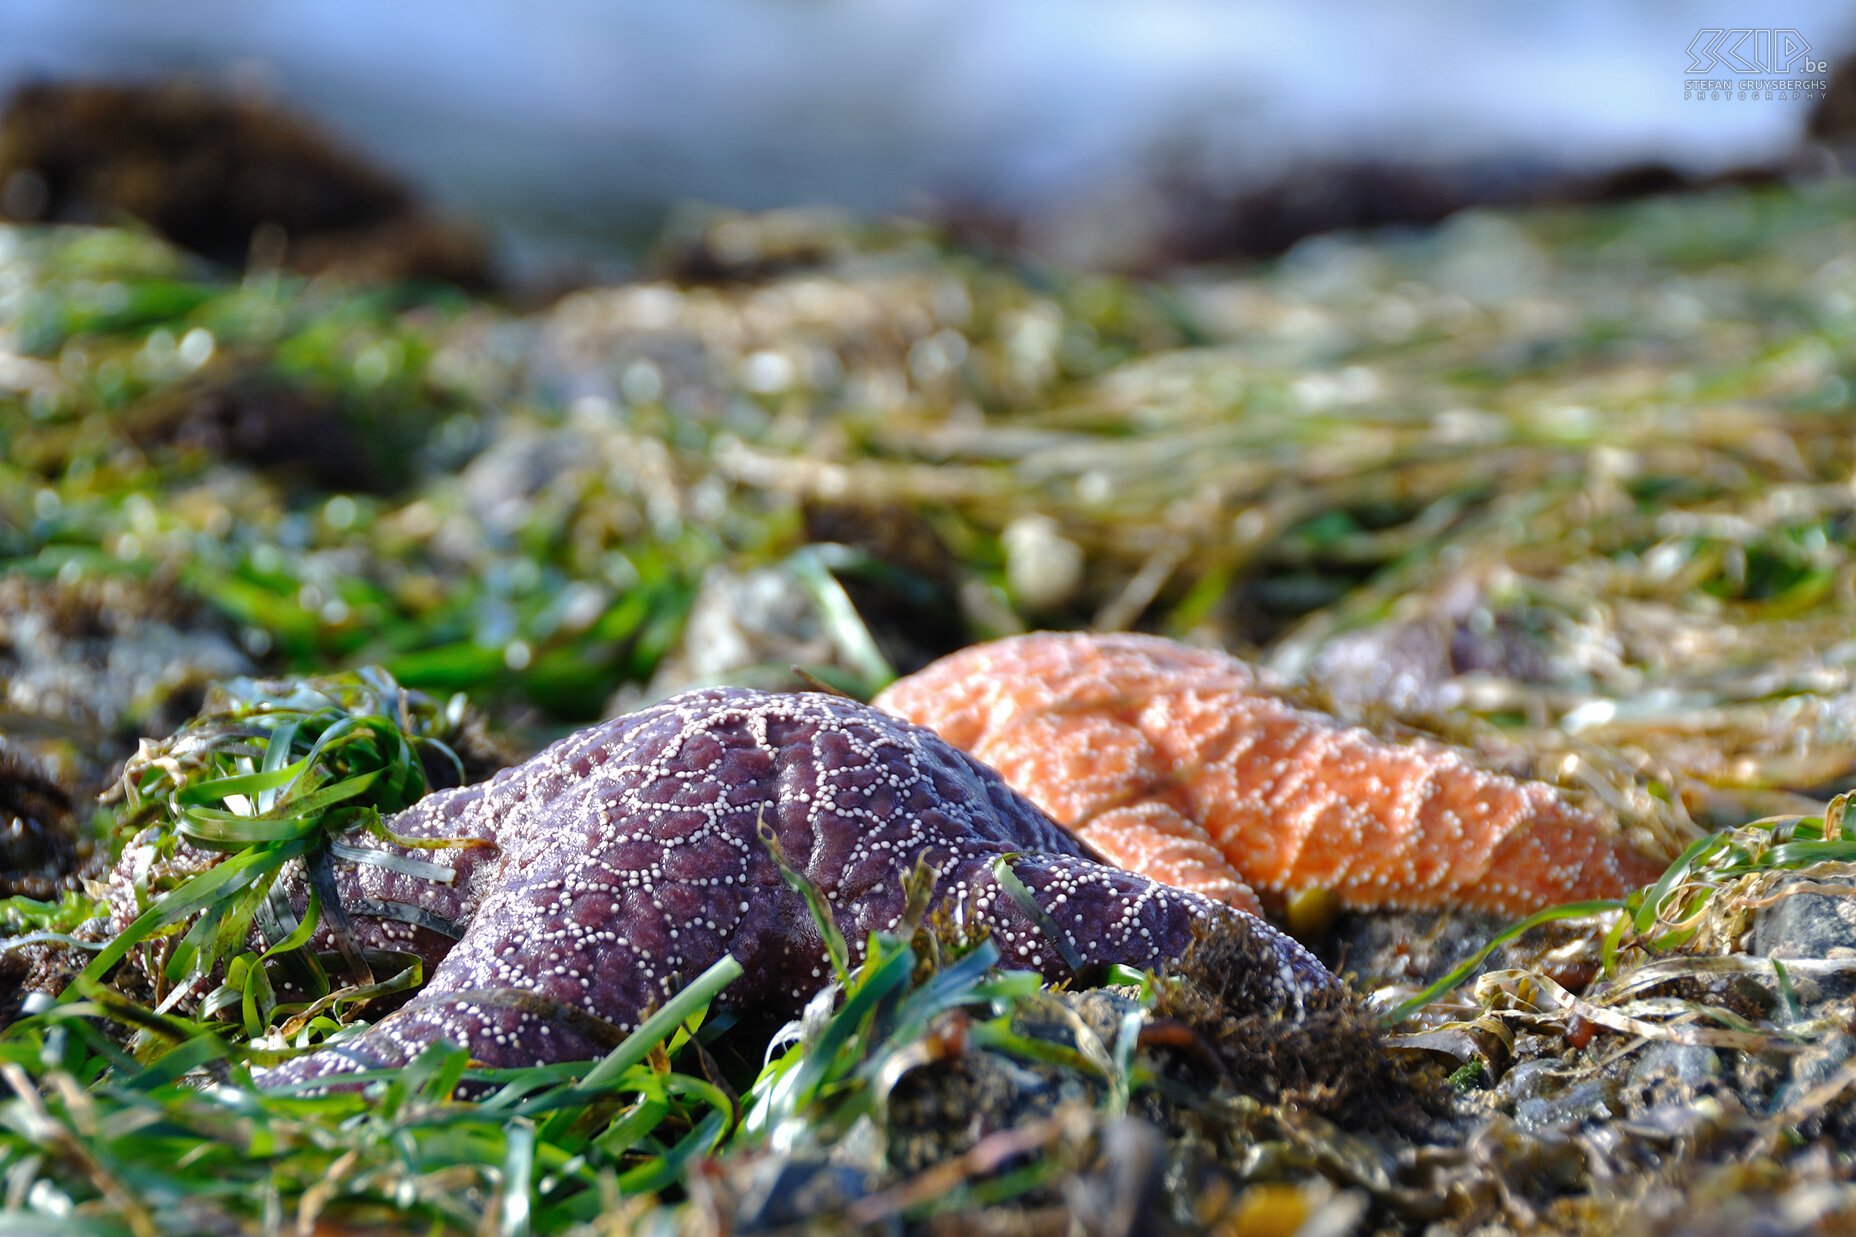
1572,910
624,1134
949,987
57,938
1023,899
518,1166
257,997
1672,876
801,884
409,977
1803,853
659,1026
877,980
198,893
327,797
298,936
379,829
216,790
842,622
288,941
216,830
34,1224
655,1174
276,755
219,929
184,1059
437,873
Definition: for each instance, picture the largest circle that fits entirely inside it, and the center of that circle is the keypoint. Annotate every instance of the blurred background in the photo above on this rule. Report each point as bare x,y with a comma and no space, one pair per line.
1177,347
1096,133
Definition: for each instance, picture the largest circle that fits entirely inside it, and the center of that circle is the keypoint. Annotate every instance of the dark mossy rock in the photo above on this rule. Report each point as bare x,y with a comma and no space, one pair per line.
1417,948
40,850
1237,1099
947,1108
232,177
90,665
1329,1061
710,245
1833,120
262,420
783,1194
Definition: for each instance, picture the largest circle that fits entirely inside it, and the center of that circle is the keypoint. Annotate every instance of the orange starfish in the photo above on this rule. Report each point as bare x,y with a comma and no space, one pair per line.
1182,764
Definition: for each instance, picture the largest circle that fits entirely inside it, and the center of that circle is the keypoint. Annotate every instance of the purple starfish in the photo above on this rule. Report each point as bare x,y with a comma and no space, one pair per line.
629,859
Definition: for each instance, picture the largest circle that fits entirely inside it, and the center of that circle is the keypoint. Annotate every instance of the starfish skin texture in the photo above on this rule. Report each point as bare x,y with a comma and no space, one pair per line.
1185,765
628,859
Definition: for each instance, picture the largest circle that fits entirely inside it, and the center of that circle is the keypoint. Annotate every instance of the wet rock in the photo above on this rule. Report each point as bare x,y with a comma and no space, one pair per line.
825,613
1420,659
782,1194
499,488
1668,1074
859,336
1548,1094
39,848
1821,1058
1530,1080
1043,568
1416,948
593,478
1756,1199
1405,666
944,1110
89,666
904,580
1811,925
1683,1066
1404,947
750,627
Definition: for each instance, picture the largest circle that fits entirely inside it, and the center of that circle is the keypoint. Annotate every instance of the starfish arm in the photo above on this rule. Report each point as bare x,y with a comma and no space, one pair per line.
1106,915
1156,840
1562,854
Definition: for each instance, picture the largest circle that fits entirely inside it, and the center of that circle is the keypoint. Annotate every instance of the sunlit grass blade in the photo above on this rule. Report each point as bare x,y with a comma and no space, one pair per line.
518,1164
1467,968
215,790
816,903
196,895
881,977
1024,900
662,1024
